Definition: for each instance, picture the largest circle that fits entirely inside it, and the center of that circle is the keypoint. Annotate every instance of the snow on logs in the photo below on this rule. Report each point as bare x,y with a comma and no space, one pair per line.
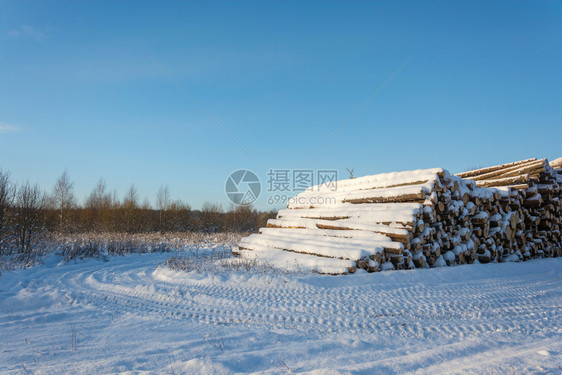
422,218
525,222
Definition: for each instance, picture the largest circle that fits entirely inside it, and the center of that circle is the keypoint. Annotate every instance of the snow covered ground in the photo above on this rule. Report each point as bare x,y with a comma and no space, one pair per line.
128,316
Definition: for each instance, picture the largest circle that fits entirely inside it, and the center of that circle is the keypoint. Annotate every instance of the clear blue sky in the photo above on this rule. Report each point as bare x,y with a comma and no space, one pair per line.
79,89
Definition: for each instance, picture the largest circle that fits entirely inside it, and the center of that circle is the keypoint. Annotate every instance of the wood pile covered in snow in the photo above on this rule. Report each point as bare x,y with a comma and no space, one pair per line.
530,191
422,218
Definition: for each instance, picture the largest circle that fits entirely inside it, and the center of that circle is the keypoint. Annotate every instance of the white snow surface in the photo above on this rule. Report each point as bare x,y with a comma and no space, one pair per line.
382,180
343,223
129,316
309,199
368,213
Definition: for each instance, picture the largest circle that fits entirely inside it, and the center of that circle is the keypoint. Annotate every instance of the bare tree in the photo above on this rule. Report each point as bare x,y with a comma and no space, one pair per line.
98,207
131,199
240,219
115,202
6,199
130,206
28,226
211,215
179,217
162,203
99,197
62,200
146,204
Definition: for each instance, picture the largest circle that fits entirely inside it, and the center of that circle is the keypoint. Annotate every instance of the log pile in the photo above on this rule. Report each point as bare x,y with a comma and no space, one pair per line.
530,191
422,218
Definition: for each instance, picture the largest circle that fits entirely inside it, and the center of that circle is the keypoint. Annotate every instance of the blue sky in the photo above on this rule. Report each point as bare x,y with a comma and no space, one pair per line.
480,84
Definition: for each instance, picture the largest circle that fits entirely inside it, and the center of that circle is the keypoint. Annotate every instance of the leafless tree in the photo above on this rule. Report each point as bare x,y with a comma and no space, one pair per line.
62,200
25,214
6,199
211,215
114,200
162,204
131,199
179,217
28,227
146,204
240,219
98,207
130,207
99,197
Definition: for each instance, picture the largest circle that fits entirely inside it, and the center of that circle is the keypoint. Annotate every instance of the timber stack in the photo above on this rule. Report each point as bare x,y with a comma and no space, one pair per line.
421,218
531,193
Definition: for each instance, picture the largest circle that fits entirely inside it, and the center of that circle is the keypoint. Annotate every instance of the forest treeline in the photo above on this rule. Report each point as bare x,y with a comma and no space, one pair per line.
27,213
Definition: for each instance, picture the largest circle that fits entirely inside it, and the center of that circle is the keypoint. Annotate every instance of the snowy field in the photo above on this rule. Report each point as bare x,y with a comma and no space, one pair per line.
128,316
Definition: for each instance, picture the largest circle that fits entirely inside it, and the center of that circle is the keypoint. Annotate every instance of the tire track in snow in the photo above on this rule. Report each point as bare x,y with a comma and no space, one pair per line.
448,309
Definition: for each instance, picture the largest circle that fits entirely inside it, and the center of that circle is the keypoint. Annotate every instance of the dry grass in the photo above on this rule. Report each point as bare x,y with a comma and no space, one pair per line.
214,260
94,245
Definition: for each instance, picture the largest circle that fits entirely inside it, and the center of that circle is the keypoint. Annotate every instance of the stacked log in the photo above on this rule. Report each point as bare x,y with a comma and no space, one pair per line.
422,218
531,202
373,222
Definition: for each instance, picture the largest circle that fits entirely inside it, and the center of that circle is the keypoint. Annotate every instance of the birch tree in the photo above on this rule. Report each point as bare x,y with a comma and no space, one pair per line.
62,200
